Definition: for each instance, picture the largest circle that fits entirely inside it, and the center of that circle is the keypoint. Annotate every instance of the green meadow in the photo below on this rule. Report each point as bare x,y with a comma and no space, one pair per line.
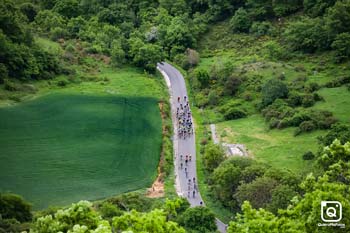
87,140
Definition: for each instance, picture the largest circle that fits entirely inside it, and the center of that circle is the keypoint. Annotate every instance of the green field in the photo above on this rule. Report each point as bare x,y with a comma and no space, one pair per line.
62,148
337,100
278,148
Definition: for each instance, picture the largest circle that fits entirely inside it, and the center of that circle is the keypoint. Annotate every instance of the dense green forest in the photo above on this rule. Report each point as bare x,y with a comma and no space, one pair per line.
242,58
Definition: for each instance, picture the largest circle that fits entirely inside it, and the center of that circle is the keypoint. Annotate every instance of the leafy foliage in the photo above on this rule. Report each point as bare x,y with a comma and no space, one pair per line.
13,206
197,220
272,90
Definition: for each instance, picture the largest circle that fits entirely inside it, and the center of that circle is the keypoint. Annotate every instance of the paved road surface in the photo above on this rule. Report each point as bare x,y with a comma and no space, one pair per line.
177,87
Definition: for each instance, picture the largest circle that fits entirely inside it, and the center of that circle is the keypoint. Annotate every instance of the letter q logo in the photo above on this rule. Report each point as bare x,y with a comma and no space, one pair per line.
331,211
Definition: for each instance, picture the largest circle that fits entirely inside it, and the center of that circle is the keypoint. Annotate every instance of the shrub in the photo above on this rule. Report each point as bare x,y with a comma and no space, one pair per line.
58,33
338,131
232,85
338,82
261,28
294,99
241,21
234,113
272,90
14,206
62,83
308,156
213,98
308,100
275,51
311,87
213,156
10,86
307,126
341,45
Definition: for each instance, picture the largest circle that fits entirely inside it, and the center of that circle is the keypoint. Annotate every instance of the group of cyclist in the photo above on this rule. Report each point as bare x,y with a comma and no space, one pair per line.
192,186
184,118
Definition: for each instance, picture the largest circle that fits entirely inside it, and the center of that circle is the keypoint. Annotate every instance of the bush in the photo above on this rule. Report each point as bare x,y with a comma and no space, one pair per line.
232,85
213,156
272,90
234,113
241,21
294,99
307,35
62,83
14,206
10,86
312,87
308,156
261,28
341,45
308,100
275,51
307,126
338,131
58,33
213,98
338,82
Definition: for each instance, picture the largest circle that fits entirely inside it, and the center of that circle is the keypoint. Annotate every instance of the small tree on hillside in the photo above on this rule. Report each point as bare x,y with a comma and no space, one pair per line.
241,21
272,90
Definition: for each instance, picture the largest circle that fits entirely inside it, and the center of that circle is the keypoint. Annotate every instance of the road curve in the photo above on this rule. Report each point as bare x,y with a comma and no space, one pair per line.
177,88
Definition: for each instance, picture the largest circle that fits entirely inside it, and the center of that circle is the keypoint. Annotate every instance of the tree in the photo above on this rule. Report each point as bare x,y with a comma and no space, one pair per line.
198,220
334,153
225,180
213,156
79,217
241,21
67,8
148,56
260,9
177,36
338,131
285,7
117,52
341,45
29,10
281,198
308,35
154,221
46,20
14,206
338,18
317,7
258,192
192,57
232,85
272,90
178,7
262,221
202,77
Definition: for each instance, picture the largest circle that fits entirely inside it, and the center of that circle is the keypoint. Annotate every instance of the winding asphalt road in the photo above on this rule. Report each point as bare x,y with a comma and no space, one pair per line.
177,88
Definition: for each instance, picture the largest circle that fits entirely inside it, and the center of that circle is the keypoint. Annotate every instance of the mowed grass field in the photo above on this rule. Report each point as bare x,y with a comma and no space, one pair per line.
278,148
60,148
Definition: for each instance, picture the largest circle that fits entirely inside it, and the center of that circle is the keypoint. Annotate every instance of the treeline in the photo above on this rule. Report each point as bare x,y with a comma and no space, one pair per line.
145,32
20,57
323,25
126,213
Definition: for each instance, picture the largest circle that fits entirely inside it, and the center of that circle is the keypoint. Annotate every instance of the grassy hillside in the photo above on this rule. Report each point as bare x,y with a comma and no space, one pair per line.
60,149
88,135
278,148
250,59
